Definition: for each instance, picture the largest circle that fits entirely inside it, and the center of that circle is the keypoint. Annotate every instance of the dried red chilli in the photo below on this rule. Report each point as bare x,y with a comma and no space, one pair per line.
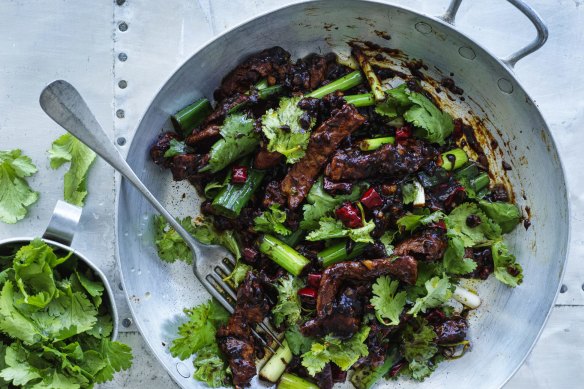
349,214
371,199
238,174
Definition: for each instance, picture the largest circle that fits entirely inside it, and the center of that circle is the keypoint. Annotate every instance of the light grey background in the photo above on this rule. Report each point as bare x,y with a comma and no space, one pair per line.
80,41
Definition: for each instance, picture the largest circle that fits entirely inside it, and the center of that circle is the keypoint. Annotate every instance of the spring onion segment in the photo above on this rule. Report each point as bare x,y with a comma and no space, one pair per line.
283,255
454,159
276,365
338,253
291,381
466,297
191,116
375,143
372,78
347,82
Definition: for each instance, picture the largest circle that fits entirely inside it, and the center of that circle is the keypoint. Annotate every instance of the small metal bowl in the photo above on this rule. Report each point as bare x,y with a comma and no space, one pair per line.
59,234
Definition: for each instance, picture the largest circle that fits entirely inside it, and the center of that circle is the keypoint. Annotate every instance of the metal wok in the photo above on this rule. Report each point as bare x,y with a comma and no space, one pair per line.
506,326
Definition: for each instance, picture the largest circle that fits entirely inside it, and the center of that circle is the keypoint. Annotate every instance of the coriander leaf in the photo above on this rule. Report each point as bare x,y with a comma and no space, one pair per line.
175,148
343,353
454,261
387,303
288,308
438,292
199,330
426,271
418,347
93,288
298,343
60,381
409,192
436,125
172,247
239,139
507,270
204,231
33,273
386,239
320,203
456,222
283,129
65,149
411,222
19,370
117,356
396,103
103,327
272,221
14,323
331,228
506,215
15,194
210,367
238,274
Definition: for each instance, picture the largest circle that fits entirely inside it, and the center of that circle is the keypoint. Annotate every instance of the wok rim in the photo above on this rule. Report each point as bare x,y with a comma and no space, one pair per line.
451,28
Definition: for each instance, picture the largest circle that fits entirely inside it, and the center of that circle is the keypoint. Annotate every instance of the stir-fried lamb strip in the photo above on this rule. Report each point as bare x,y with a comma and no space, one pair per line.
204,139
271,63
403,268
323,142
235,339
335,188
392,160
186,166
452,330
265,159
429,245
346,318
223,108
160,147
308,73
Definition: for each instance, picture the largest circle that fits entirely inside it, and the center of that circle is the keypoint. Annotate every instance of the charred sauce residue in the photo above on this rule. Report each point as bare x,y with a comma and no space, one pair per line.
527,220
449,84
382,35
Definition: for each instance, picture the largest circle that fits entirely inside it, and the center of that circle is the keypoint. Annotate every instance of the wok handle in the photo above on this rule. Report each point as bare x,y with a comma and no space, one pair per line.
532,15
61,101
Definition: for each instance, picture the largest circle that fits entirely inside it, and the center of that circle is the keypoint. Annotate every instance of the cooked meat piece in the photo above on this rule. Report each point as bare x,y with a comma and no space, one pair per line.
323,142
377,343
335,188
450,331
429,245
265,159
273,62
404,268
273,195
205,138
345,320
484,259
187,165
392,160
160,147
324,379
226,105
308,73
235,339
236,343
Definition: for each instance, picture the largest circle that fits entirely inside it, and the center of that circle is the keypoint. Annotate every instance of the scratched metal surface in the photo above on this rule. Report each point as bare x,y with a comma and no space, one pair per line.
82,42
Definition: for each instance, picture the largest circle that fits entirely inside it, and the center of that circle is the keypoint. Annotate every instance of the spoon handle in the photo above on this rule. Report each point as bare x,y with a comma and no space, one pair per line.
61,101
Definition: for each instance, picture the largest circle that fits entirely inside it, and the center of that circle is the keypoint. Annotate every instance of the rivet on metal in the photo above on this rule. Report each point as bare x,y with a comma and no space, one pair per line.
182,369
467,52
123,57
563,289
120,113
123,84
121,141
505,85
120,2
123,26
127,322
120,286
423,28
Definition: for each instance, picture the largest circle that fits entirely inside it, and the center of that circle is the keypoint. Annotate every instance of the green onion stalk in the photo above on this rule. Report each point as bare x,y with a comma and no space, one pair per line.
277,363
349,81
372,78
283,255
234,197
375,143
338,253
454,159
185,120
291,381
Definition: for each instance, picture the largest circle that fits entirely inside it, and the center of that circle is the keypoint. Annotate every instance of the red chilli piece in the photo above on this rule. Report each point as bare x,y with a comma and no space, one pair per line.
239,174
314,280
349,215
308,292
440,224
371,199
404,132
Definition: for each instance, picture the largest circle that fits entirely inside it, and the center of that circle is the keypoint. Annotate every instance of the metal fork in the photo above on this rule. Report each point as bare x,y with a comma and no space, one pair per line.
61,101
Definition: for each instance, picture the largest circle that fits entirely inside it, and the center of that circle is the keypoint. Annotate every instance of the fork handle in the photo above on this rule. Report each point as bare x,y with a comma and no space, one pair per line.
61,101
